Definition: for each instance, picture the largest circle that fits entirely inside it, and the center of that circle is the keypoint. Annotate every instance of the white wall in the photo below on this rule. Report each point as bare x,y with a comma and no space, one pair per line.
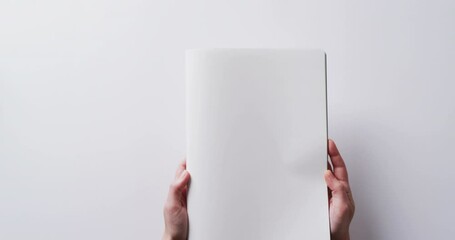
92,107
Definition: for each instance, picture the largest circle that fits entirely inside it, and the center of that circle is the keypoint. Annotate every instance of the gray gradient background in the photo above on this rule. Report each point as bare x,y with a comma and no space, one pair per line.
92,107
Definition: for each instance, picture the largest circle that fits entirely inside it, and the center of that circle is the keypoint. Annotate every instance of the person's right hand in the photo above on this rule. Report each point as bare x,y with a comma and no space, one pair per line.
175,208
341,202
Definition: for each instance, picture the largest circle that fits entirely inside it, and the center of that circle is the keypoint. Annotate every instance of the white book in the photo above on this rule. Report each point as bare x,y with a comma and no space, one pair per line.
257,144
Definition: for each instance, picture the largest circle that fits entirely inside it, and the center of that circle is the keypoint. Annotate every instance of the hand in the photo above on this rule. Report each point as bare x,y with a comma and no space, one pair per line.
341,203
175,211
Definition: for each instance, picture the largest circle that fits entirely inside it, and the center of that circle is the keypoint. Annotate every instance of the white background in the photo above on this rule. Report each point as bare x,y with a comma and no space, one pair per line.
92,107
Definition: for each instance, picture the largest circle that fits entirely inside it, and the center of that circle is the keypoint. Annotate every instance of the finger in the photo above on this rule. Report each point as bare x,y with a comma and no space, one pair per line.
332,182
180,168
177,187
338,189
339,167
335,184
329,167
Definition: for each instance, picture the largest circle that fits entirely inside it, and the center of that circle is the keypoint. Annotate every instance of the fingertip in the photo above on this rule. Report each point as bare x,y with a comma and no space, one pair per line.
326,172
328,175
330,179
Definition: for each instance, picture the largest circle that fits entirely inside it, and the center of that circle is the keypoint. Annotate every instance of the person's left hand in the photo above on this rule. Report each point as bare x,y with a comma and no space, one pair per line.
175,211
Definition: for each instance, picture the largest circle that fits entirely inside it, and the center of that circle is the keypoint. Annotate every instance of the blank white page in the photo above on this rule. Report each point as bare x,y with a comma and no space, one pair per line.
257,144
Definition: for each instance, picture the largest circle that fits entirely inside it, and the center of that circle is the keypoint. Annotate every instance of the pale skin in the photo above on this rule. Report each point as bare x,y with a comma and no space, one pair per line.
341,202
